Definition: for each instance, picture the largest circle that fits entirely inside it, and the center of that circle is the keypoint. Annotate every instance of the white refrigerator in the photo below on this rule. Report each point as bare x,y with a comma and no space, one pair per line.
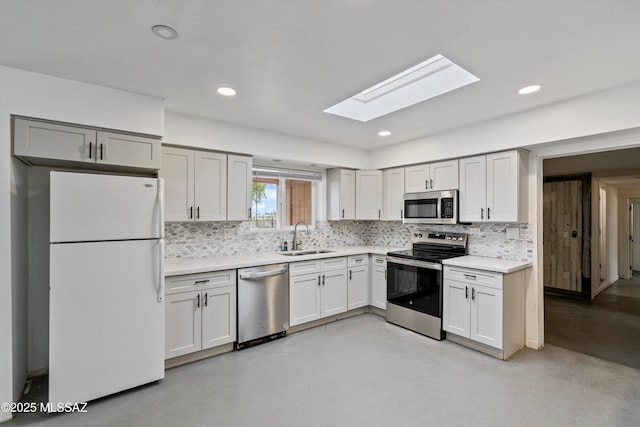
106,308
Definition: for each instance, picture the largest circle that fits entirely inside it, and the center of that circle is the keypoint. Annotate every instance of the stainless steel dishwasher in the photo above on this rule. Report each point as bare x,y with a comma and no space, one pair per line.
263,303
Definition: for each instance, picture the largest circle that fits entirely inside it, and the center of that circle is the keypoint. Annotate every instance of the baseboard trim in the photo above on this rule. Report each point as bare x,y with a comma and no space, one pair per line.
533,344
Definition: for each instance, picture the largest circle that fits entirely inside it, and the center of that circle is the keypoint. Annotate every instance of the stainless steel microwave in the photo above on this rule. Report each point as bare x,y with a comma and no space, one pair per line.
434,207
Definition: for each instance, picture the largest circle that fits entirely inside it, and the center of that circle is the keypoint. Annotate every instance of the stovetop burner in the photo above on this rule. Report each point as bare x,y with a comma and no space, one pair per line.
434,246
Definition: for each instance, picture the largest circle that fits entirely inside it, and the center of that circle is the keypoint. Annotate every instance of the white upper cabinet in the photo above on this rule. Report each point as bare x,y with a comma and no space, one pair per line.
393,190
431,177
239,188
494,187
369,194
41,142
195,185
341,194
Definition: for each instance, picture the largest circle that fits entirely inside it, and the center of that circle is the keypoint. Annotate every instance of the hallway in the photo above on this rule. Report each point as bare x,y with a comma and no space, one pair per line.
607,327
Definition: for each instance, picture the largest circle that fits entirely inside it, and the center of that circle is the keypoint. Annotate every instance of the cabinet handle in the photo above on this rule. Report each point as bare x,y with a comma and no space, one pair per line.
318,280
466,292
426,184
198,301
323,280
385,275
249,213
379,260
488,213
481,213
350,274
191,212
342,213
199,282
206,299
379,214
101,151
431,183
473,294
198,212
401,214
470,276
90,149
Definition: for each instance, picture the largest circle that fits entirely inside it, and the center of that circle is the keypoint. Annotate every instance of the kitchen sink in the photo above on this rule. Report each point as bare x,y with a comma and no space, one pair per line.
309,252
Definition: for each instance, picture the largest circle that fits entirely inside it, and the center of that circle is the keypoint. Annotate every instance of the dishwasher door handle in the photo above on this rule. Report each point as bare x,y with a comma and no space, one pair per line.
262,274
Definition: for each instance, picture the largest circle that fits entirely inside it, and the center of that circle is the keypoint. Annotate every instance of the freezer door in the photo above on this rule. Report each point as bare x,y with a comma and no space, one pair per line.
106,325
92,207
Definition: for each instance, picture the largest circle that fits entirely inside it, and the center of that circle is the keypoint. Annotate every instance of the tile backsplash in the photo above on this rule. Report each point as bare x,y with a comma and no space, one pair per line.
204,239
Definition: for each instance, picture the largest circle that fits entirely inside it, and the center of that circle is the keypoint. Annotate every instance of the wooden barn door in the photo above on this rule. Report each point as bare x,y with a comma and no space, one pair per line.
566,210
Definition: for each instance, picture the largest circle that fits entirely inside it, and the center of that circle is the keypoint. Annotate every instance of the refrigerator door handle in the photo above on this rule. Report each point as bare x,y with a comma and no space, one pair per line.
161,205
161,272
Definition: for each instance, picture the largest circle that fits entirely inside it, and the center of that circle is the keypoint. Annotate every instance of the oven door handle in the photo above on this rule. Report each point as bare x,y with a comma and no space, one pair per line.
414,263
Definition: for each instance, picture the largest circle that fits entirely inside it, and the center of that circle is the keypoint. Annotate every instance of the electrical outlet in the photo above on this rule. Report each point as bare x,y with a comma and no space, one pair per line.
513,233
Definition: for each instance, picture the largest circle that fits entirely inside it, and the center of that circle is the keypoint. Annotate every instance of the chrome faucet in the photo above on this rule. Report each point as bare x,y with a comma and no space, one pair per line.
294,244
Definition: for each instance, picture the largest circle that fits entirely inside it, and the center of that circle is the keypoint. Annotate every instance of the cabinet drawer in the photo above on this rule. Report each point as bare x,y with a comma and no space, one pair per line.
332,264
469,276
379,260
199,281
356,260
304,267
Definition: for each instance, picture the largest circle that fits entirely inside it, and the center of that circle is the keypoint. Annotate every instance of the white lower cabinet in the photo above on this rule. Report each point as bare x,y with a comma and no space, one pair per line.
379,281
358,287
200,312
317,289
486,308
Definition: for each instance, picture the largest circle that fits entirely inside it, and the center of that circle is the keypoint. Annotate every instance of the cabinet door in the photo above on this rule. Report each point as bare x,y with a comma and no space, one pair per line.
393,189
210,184
218,316
502,187
486,316
358,287
473,189
239,188
182,324
455,308
348,194
333,298
379,286
443,175
368,194
127,150
46,140
304,298
178,173
415,178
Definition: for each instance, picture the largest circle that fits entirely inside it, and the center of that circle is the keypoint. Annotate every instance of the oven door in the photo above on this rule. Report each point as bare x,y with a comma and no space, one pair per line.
416,285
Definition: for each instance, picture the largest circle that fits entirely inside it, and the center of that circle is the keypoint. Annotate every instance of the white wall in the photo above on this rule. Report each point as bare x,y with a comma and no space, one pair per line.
215,135
593,114
37,95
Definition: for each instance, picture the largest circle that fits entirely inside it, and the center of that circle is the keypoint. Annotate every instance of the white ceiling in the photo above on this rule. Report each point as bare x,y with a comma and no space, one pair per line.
290,60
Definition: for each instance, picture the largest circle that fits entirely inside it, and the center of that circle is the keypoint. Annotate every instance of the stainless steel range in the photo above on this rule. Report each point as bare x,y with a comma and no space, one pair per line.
414,281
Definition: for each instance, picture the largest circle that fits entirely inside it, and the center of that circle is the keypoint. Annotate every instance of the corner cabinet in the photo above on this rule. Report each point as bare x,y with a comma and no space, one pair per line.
484,310
200,312
239,188
46,143
431,177
494,187
341,194
393,192
317,289
369,194
195,185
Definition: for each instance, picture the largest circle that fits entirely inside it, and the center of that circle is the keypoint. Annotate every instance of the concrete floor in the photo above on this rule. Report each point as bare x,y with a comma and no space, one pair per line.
607,327
365,371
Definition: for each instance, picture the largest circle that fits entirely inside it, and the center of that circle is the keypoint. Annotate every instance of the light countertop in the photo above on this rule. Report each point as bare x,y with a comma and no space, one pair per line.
177,267
488,264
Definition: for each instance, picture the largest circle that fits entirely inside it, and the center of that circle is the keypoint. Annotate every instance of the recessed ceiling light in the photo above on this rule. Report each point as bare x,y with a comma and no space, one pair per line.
529,89
433,77
276,160
226,91
384,133
164,32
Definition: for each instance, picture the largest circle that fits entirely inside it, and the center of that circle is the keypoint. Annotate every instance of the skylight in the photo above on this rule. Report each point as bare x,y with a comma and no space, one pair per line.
426,80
